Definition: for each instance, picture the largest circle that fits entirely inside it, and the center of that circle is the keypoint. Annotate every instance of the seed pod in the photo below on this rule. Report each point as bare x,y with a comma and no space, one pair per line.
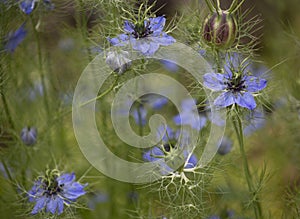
118,61
220,29
29,135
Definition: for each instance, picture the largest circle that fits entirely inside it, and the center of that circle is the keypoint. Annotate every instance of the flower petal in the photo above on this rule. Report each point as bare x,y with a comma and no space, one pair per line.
60,206
246,100
157,24
27,6
66,178
128,27
254,84
214,81
225,99
40,204
52,204
192,162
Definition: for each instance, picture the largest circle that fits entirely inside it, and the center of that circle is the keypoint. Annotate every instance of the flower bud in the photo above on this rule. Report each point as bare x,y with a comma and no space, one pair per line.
220,29
29,135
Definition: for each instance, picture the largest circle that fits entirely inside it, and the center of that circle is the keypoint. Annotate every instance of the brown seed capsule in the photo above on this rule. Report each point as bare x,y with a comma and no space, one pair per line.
220,29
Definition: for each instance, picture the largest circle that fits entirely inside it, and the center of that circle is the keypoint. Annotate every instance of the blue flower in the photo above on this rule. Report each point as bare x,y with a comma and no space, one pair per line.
236,89
145,37
188,115
140,115
29,135
169,138
256,120
51,192
225,146
13,39
27,6
154,101
171,66
118,61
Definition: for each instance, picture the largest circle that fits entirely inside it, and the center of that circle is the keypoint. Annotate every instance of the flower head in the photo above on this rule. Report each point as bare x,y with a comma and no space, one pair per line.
29,135
13,39
52,191
237,87
145,37
169,151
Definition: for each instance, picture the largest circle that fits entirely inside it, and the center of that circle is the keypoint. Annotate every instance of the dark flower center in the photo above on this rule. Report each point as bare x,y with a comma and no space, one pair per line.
141,31
52,187
236,85
168,146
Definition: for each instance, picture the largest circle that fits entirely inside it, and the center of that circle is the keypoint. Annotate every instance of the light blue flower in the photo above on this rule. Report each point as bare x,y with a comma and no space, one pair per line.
52,193
235,90
29,135
145,37
13,39
225,146
188,115
256,119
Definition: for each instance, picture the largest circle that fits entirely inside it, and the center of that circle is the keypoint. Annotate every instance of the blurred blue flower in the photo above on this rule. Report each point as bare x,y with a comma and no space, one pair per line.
52,192
140,115
154,101
97,198
145,37
118,61
235,89
169,139
13,39
188,115
27,6
29,135
256,119
225,146
171,66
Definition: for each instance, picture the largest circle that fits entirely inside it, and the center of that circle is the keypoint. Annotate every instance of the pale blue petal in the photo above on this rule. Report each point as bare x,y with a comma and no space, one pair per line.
254,84
225,99
246,100
214,81
40,204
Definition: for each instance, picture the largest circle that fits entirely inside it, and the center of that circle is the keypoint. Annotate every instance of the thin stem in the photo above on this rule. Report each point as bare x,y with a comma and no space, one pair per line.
40,66
7,112
239,132
6,170
210,6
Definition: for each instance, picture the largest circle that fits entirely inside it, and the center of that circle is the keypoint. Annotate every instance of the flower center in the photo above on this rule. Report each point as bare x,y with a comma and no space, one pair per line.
52,187
236,85
168,146
141,31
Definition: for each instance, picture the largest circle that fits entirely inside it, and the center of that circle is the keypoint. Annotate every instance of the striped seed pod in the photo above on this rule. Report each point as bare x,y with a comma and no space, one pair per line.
220,29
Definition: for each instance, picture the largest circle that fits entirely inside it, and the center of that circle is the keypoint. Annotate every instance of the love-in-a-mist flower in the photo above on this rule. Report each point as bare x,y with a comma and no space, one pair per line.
54,190
255,120
27,6
118,61
29,135
144,36
237,87
13,39
168,149
225,146
188,115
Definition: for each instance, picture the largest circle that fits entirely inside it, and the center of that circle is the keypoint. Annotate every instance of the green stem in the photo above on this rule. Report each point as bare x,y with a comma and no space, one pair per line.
210,6
7,112
239,132
6,170
40,67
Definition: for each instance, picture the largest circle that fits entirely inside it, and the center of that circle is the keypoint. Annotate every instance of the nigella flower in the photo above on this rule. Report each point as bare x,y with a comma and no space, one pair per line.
188,115
145,37
168,149
13,39
154,101
236,88
225,146
140,115
52,191
27,6
256,119
29,135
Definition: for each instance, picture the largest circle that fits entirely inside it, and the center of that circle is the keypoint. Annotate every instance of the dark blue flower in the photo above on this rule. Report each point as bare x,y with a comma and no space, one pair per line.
225,146
256,119
236,89
51,192
13,39
29,135
145,37
188,115
27,6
